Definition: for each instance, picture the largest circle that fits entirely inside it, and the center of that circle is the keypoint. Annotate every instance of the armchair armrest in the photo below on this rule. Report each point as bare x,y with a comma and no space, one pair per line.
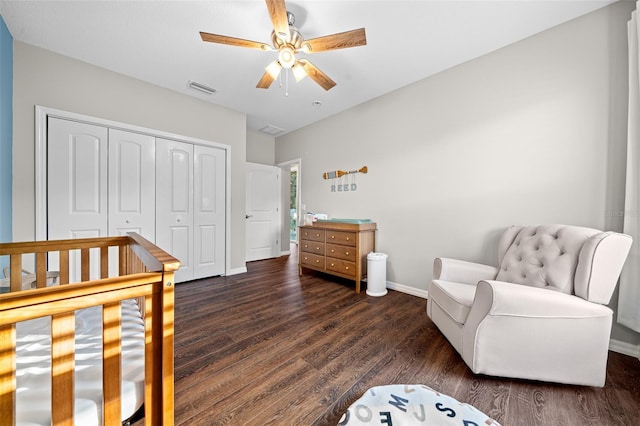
461,271
500,298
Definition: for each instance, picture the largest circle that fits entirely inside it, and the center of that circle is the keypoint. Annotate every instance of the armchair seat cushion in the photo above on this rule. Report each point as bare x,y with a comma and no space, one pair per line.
453,298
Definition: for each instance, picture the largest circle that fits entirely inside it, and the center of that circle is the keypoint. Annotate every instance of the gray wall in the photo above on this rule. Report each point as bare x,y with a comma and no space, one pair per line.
51,80
532,133
6,131
260,148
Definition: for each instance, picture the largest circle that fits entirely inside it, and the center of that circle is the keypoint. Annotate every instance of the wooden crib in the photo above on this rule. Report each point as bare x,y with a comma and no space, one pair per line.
146,273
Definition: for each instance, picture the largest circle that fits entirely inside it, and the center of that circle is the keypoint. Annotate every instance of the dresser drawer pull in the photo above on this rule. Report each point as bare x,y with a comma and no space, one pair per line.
346,253
317,235
317,248
317,260
333,237
346,268
348,238
333,251
333,264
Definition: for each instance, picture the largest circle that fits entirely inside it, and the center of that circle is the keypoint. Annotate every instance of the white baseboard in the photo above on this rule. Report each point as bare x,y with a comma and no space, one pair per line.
624,348
237,271
407,289
285,253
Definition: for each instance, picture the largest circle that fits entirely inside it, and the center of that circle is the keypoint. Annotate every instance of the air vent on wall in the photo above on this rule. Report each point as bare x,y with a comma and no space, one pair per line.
272,130
201,87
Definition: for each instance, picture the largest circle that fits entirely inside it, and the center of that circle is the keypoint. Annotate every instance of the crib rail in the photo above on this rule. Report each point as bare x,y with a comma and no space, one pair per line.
145,272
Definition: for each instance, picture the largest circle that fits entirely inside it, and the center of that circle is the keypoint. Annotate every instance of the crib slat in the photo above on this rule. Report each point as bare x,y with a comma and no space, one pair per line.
16,272
85,262
104,262
123,260
8,375
62,368
64,267
41,270
111,361
149,364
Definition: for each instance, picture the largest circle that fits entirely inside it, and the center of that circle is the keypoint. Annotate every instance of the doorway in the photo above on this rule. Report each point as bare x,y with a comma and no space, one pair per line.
292,206
293,203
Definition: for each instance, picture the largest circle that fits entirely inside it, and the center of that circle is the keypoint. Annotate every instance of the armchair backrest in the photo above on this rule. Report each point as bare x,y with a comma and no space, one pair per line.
570,259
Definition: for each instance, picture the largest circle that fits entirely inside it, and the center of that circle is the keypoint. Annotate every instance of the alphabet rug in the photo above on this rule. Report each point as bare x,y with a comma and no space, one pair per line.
396,405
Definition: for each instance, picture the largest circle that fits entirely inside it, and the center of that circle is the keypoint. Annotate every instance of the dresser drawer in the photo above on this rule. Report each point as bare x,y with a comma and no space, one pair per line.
341,237
312,260
312,234
341,252
341,266
309,246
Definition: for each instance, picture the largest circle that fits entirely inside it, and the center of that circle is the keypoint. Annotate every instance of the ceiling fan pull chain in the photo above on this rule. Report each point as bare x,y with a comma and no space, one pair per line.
286,82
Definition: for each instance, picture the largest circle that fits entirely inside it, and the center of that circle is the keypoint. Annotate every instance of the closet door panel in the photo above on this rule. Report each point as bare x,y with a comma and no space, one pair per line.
132,198
76,185
209,211
77,179
174,203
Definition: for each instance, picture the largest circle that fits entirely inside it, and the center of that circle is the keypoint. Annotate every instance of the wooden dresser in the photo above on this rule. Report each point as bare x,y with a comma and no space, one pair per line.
337,248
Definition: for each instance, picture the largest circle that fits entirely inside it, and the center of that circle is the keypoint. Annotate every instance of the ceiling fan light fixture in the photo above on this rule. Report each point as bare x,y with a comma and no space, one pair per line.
286,57
274,69
298,71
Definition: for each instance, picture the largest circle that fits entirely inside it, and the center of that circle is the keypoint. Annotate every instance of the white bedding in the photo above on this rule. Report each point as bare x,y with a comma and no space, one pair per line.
33,373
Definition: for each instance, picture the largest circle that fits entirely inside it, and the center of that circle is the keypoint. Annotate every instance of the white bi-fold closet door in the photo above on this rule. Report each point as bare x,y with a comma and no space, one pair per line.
103,181
190,182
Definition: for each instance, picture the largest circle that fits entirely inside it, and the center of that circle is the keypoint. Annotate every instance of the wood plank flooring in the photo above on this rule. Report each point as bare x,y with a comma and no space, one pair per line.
270,347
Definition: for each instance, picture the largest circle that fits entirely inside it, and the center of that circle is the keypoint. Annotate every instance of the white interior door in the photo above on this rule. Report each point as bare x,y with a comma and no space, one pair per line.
174,203
209,211
76,186
132,184
263,217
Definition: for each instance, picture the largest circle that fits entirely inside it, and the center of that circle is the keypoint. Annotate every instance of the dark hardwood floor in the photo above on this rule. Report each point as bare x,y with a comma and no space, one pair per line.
270,347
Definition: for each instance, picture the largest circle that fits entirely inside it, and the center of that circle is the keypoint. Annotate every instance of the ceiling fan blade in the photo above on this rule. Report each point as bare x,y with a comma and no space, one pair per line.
265,81
278,14
343,40
316,75
232,41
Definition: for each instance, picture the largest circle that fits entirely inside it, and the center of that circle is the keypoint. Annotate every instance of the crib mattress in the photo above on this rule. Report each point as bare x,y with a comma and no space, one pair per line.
33,367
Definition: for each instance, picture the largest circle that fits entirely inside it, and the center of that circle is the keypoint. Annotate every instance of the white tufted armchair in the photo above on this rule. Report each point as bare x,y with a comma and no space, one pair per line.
541,314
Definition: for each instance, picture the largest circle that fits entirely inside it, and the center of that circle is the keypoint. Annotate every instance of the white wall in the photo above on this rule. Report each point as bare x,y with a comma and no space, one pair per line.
260,148
532,133
48,79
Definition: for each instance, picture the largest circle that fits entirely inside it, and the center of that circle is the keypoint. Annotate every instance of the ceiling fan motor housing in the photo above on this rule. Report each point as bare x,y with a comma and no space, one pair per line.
294,40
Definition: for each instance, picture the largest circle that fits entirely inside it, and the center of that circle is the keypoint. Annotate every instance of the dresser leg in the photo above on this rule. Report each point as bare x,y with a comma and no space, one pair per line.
357,286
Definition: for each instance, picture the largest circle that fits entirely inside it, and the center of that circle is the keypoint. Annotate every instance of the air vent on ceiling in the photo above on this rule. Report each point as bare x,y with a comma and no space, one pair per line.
272,130
201,87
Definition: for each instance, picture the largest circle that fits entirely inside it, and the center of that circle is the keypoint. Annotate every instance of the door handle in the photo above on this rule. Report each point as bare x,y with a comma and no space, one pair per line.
247,216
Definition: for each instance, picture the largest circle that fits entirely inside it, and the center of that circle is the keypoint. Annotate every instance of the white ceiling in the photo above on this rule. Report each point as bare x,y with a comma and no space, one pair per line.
158,42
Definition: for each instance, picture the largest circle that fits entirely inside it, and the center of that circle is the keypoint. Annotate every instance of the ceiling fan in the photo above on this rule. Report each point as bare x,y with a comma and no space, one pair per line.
287,40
